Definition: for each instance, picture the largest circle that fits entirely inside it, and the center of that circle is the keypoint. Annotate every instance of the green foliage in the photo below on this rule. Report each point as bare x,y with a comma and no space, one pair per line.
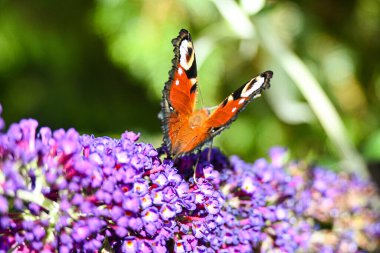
100,67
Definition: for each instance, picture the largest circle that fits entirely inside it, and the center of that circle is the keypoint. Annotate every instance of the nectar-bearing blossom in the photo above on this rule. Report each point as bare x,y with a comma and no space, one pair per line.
65,192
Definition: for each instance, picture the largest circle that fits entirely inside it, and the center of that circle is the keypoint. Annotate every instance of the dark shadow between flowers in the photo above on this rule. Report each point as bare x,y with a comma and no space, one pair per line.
186,163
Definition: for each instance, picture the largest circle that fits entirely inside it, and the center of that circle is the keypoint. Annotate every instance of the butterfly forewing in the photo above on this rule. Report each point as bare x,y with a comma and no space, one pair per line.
228,110
181,89
180,92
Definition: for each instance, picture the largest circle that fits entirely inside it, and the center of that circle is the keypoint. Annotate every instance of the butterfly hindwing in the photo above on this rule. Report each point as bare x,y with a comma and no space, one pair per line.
228,110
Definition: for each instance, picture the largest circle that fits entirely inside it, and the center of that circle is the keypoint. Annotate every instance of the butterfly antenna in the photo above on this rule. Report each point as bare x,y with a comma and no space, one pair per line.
200,96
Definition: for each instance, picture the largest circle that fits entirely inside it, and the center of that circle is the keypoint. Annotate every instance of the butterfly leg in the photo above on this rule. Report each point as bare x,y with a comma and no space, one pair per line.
195,172
163,150
196,165
209,152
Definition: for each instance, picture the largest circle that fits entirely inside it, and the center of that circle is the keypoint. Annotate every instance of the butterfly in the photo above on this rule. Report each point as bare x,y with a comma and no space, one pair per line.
186,128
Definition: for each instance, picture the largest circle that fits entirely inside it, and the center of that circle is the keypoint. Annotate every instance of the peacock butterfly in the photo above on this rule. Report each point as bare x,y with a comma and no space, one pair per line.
185,127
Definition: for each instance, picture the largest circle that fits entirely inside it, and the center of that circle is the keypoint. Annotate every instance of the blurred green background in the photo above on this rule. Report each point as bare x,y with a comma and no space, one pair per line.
100,66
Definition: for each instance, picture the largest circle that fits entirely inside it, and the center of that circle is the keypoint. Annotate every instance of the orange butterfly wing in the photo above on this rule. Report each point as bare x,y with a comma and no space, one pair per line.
179,94
206,126
185,128
228,110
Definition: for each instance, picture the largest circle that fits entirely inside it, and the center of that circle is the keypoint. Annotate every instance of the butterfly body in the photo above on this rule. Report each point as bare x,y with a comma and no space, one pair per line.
185,127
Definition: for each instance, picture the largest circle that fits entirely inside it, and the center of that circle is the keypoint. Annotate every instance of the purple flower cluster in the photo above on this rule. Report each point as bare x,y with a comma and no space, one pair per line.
345,217
63,192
